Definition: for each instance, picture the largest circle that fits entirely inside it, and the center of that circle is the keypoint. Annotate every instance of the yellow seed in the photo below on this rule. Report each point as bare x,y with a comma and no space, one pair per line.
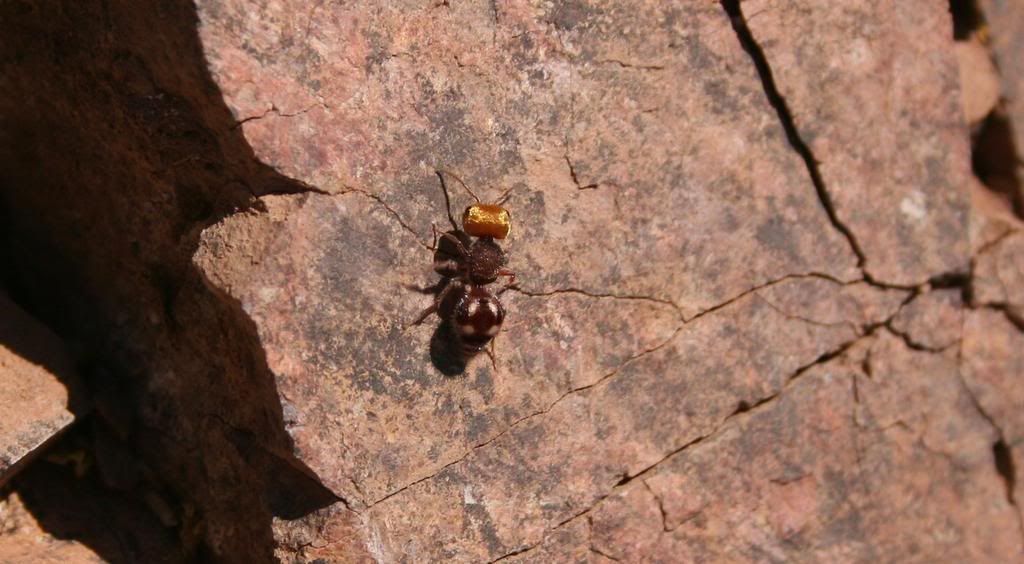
487,220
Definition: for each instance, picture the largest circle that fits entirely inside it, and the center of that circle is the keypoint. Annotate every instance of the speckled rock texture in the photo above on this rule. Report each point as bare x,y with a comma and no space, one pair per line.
875,95
763,311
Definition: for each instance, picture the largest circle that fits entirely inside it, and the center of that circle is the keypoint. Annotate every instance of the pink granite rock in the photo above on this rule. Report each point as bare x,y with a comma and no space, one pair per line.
722,345
999,272
993,362
979,80
933,320
874,93
555,104
868,472
736,279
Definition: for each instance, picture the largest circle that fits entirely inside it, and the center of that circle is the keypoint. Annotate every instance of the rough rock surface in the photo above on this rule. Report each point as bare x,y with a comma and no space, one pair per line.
873,93
37,382
979,71
756,317
763,487
585,123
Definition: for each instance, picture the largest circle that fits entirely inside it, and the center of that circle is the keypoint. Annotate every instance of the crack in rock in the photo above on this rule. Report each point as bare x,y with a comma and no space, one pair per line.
627,65
575,179
999,461
788,315
274,110
721,427
380,201
661,506
778,102
596,295
684,322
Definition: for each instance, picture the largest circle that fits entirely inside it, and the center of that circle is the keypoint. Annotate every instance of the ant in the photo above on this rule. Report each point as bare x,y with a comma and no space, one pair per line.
467,266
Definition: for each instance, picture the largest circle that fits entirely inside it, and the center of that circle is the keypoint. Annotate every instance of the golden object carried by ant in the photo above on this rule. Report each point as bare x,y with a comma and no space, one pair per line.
487,220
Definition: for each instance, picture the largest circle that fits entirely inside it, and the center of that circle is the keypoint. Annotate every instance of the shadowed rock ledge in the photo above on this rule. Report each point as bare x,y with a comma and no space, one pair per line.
757,315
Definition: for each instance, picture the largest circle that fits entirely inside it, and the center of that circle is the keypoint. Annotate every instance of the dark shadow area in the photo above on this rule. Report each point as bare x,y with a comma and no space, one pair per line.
28,339
68,497
33,344
967,18
291,488
445,351
1005,467
996,161
116,150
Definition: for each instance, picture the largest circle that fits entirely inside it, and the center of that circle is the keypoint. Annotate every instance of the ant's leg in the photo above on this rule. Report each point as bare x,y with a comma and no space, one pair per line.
448,285
464,185
447,200
511,275
459,247
433,246
511,282
491,354
423,316
426,289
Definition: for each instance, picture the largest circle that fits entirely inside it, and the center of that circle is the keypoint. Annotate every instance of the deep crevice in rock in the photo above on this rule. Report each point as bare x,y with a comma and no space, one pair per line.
967,18
778,102
1006,468
996,160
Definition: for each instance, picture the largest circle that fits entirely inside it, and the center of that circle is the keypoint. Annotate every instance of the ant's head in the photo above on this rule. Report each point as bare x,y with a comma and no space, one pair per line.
487,220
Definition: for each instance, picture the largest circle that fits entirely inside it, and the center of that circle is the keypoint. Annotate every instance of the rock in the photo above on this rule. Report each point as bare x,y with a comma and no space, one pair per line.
993,352
228,198
60,512
979,80
864,463
325,535
116,151
586,132
999,272
39,390
1005,32
874,93
932,321
991,218
558,463
1003,139
865,473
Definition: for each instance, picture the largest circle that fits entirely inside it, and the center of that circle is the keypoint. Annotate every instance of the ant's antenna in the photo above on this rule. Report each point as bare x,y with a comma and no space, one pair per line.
452,174
504,197
447,202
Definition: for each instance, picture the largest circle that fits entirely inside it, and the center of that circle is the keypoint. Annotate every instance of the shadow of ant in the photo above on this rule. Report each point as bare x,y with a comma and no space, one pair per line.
445,352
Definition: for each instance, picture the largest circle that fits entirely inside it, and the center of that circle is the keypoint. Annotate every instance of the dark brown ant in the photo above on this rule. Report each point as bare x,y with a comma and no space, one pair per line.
481,261
467,266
